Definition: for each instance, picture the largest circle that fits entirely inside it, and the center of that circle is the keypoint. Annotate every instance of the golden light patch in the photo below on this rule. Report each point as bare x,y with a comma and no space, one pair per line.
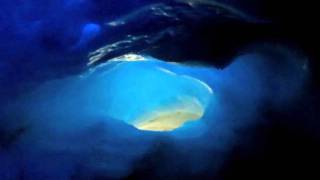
172,117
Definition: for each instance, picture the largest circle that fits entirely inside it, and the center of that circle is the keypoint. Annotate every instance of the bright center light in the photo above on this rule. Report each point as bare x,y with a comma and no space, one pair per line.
170,118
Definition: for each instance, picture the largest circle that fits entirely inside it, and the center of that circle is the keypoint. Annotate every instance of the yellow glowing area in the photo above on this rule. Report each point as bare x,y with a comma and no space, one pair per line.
172,117
168,121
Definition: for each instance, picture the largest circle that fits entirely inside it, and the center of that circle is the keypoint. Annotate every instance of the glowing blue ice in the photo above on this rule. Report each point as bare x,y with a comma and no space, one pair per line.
75,119
140,92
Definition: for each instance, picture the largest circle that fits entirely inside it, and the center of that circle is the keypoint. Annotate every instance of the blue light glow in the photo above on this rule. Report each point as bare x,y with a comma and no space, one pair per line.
101,112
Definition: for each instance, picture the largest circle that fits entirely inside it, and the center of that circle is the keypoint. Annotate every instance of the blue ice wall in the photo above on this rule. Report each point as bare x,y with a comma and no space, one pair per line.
100,106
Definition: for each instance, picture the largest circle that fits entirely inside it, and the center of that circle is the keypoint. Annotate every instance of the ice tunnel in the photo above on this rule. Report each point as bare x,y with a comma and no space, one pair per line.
141,91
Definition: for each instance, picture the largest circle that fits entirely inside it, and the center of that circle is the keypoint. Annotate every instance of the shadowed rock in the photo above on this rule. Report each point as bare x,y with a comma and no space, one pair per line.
181,30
